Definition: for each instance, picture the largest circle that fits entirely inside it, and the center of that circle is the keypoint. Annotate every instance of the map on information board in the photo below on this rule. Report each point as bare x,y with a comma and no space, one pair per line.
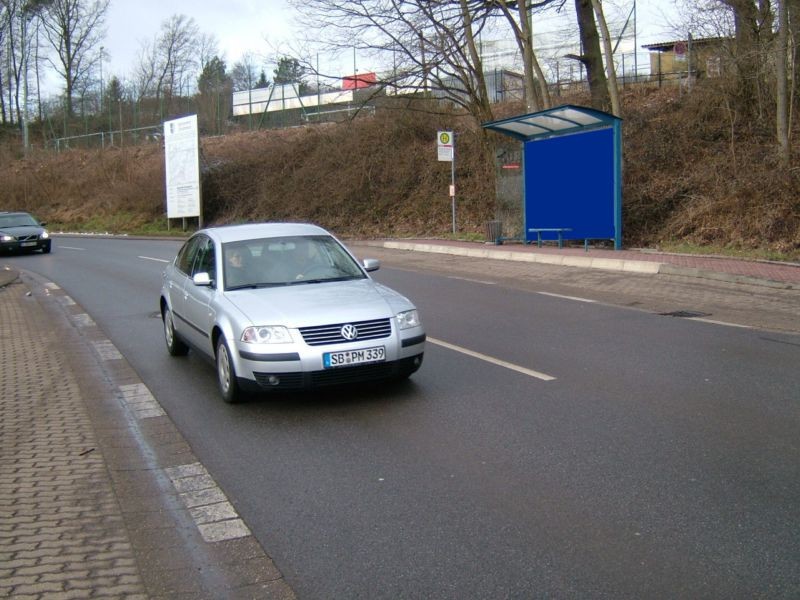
182,167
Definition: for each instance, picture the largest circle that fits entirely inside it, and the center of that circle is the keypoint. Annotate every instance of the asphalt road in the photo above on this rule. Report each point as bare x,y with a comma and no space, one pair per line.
549,446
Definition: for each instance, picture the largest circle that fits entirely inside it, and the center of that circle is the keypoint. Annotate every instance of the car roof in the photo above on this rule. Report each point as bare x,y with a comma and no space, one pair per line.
250,231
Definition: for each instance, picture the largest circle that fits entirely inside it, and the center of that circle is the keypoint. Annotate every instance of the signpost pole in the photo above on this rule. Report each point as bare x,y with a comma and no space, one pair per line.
446,151
453,185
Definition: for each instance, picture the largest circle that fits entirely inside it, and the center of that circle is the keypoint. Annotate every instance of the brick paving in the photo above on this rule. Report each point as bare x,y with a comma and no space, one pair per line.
92,473
61,531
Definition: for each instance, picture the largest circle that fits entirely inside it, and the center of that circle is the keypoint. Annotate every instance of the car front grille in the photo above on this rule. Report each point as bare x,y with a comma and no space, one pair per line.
353,374
340,376
332,334
27,238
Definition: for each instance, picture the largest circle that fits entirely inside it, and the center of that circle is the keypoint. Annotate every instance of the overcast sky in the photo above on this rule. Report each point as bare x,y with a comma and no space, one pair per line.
262,26
239,26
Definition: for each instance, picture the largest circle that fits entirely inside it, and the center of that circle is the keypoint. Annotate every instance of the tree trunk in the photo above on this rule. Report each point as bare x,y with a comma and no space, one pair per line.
781,48
533,98
613,90
484,108
591,56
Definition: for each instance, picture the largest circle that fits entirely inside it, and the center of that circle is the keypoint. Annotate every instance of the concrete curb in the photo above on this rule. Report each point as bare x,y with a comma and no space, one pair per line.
642,267
7,276
549,259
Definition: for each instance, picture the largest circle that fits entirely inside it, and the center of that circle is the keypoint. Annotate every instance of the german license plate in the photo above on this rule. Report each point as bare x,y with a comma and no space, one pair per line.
348,358
26,244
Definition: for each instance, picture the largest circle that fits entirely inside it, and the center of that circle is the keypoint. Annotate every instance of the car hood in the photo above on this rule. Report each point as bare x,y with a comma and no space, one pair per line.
21,231
318,303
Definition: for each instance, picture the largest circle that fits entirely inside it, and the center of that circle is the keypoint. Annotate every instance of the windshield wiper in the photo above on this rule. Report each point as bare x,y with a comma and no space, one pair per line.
250,286
326,280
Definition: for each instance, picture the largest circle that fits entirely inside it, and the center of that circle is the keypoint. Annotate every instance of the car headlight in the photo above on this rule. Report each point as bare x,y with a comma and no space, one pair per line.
408,319
7,238
267,334
44,235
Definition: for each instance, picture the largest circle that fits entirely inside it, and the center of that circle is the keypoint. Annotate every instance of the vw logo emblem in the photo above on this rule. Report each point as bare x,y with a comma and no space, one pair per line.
349,332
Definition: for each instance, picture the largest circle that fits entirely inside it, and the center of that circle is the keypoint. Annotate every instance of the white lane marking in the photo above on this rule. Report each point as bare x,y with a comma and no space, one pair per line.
60,247
576,298
494,361
472,280
214,515
161,260
713,322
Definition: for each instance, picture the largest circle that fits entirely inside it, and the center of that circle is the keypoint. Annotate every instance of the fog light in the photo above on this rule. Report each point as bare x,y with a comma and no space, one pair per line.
417,361
273,380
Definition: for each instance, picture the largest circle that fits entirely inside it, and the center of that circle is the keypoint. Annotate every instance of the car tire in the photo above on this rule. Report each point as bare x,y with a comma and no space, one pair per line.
175,346
226,373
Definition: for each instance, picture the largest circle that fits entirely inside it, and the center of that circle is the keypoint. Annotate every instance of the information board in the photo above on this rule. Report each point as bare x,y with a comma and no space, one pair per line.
182,167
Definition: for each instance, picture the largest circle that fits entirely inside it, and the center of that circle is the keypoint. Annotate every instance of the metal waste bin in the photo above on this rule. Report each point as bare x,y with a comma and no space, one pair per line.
494,232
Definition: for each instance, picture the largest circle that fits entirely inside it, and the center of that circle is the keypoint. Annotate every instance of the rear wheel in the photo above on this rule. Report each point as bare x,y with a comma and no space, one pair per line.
174,346
226,373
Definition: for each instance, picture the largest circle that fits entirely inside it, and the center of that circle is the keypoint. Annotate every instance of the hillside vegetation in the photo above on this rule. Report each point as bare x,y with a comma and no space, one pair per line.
693,174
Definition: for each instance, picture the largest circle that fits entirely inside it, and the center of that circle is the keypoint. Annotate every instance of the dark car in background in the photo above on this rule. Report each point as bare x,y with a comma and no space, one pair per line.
20,232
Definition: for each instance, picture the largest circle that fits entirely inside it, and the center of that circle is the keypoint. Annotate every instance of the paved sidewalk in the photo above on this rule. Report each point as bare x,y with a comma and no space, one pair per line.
100,495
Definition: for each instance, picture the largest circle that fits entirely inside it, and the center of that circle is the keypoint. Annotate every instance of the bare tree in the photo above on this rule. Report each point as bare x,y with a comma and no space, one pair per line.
782,94
245,72
430,45
145,72
537,92
176,50
591,56
74,28
613,89
4,25
207,49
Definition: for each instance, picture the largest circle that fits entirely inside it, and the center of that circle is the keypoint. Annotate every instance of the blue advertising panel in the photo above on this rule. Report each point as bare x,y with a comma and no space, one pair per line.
569,184
572,165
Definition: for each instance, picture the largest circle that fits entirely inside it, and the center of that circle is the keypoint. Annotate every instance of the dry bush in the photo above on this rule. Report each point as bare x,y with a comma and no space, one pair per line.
696,171
375,176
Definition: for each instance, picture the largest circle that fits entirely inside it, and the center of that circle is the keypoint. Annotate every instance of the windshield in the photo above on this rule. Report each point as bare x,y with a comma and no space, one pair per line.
17,221
293,260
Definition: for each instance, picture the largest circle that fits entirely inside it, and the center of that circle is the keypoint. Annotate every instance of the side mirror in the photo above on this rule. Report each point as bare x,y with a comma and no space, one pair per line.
371,264
202,279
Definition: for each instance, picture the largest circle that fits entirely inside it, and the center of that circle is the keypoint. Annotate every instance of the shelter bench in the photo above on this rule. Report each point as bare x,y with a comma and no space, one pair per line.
558,230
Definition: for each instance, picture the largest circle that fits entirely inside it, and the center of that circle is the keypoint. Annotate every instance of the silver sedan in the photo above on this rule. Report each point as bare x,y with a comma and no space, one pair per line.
281,306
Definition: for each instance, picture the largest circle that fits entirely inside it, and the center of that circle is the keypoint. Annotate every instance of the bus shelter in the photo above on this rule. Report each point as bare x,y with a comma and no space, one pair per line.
571,173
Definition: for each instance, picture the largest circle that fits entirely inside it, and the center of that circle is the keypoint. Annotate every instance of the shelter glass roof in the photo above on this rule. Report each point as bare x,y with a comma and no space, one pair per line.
554,121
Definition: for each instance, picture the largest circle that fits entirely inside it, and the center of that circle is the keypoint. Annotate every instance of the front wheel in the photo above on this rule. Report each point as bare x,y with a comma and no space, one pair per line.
226,373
